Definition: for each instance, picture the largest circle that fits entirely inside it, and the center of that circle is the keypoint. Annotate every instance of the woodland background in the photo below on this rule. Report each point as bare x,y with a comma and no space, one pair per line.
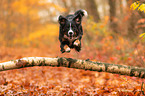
111,35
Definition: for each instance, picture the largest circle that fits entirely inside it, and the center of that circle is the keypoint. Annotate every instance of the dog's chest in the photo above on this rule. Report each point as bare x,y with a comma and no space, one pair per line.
70,40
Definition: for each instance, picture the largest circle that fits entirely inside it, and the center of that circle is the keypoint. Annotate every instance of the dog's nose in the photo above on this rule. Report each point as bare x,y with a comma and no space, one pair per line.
70,33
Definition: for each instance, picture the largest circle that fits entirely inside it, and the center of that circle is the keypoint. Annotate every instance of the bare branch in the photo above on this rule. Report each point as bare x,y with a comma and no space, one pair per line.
73,63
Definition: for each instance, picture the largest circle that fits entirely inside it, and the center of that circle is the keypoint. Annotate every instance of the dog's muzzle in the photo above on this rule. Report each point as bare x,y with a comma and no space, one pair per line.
70,34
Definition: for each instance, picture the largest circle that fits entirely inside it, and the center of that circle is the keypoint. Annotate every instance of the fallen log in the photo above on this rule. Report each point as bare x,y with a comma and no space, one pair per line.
73,63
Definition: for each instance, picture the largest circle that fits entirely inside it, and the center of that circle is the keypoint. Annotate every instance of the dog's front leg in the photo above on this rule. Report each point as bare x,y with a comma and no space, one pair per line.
77,45
64,48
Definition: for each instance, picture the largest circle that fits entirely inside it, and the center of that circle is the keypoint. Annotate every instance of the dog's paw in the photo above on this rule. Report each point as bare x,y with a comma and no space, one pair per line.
67,49
77,43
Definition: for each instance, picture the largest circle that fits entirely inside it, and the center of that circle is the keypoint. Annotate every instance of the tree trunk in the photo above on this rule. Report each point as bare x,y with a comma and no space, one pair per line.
92,9
64,2
113,22
1,16
81,4
134,17
8,34
73,63
73,3
28,22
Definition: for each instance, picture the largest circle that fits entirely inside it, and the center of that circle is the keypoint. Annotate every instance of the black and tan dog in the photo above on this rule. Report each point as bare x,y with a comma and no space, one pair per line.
70,31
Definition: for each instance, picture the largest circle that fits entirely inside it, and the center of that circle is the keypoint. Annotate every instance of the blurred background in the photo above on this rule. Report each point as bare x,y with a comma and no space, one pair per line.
111,30
111,35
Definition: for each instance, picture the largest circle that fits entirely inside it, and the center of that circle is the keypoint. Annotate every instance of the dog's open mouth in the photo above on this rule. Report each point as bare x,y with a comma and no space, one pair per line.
70,36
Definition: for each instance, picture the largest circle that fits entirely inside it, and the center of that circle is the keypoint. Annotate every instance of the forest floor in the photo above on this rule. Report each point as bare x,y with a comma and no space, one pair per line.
59,81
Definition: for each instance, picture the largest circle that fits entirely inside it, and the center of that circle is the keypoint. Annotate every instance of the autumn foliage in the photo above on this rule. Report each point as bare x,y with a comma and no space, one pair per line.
29,28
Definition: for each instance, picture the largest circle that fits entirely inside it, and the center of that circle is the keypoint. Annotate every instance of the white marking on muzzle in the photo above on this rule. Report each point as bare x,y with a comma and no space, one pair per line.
70,32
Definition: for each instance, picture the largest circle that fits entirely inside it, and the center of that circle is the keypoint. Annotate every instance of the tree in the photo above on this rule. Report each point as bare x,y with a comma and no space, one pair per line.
92,9
140,5
113,23
18,18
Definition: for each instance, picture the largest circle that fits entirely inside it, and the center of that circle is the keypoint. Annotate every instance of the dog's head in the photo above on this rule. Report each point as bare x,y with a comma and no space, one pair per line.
70,25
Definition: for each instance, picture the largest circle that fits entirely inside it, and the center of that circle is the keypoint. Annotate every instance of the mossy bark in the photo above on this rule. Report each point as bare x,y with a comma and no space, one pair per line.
73,63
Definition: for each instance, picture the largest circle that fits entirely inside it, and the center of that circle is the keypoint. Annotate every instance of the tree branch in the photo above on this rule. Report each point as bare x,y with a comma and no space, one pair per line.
73,63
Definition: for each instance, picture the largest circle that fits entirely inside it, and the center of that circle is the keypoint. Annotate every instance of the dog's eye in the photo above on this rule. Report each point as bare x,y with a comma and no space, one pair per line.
62,21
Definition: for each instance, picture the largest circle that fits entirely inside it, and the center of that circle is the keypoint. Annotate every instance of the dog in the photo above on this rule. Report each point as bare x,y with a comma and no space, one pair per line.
70,31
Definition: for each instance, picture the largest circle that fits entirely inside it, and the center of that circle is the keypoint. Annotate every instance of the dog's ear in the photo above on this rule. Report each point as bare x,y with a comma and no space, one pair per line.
62,20
81,12
78,16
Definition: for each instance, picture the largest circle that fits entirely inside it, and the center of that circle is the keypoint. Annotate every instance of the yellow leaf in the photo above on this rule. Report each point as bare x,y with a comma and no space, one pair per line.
125,78
135,5
142,35
142,7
